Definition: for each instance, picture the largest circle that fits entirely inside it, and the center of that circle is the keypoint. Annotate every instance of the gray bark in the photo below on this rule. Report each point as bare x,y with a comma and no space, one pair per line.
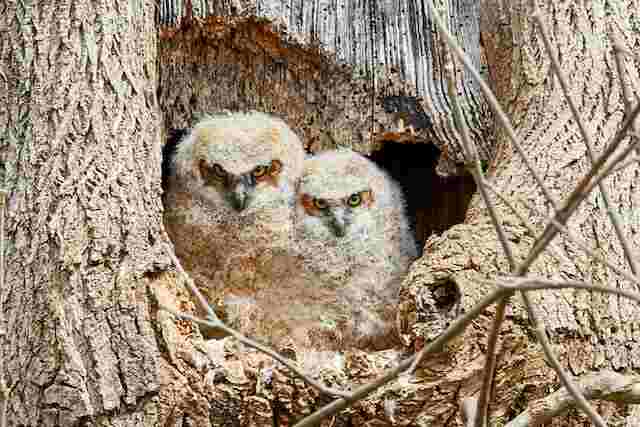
80,151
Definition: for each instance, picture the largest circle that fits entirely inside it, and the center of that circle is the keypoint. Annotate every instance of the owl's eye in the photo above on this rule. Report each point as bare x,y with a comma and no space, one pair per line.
320,204
219,173
354,200
212,174
260,171
275,168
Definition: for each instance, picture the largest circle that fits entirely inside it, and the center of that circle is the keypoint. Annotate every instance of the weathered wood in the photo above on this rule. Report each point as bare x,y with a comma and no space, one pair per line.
329,67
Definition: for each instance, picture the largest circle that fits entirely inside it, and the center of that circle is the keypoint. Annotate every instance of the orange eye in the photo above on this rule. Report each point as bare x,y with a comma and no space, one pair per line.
320,204
260,171
275,168
354,200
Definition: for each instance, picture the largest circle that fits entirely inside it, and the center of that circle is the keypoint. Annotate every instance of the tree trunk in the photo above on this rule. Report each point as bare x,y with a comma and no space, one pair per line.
80,149
590,332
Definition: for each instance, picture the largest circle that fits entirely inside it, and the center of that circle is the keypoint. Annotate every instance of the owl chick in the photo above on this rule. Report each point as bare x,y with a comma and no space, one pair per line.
353,234
229,200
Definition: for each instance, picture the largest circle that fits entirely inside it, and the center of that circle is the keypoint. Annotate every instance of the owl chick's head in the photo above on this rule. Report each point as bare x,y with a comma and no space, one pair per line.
342,195
237,158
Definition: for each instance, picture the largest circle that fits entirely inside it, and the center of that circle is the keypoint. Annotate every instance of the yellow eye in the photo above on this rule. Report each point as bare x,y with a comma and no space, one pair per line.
320,204
354,200
219,173
260,171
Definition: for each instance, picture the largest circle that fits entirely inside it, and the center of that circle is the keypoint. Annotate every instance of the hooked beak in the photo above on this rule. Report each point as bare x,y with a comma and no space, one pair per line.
240,196
338,223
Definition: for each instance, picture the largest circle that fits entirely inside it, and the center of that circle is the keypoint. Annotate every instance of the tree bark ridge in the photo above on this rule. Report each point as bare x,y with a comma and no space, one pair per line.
80,151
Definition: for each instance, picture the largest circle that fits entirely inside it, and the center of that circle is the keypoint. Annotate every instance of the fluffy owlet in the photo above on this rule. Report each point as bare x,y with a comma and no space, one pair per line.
354,236
229,198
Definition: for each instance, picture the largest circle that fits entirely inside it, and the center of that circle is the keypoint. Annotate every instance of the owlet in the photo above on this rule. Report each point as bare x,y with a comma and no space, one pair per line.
229,201
354,237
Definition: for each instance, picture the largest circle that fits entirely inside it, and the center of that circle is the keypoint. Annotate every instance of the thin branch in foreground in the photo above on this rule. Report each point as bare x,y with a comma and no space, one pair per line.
536,284
451,332
555,65
567,233
610,386
482,411
582,190
471,158
257,346
618,53
475,168
568,383
202,301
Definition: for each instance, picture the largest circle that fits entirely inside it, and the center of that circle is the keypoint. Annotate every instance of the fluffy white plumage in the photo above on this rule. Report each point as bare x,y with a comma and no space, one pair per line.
353,235
229,200
320,266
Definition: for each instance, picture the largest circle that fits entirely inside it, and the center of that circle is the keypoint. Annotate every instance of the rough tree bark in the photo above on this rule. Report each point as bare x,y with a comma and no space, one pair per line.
79,126
589,331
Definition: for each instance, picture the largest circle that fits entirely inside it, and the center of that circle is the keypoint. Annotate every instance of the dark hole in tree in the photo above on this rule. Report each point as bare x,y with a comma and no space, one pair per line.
434,203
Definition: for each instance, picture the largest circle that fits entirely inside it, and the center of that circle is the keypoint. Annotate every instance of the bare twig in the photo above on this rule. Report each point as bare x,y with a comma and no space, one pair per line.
581,401
482,411
255,345
475,168
569,235
618,53
4,391
211,315
535,284
610,386
627,95
451,332
615,221
588,182
471,158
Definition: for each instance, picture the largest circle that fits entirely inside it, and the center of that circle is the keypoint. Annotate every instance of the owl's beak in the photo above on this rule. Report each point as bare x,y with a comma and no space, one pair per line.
338,222
240,195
